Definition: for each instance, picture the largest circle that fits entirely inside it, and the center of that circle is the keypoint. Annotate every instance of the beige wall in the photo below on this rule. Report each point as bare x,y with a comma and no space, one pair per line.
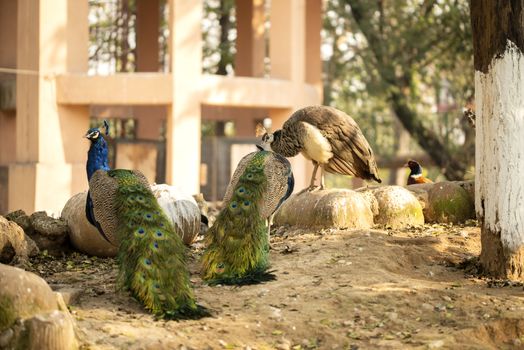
244,118
8,31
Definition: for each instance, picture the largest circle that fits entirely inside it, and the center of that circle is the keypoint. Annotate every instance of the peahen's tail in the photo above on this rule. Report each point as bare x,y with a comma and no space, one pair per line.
151,254
237,243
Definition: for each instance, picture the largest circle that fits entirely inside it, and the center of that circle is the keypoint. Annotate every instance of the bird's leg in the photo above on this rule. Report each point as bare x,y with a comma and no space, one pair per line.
269,223
322,183
311,186
313,176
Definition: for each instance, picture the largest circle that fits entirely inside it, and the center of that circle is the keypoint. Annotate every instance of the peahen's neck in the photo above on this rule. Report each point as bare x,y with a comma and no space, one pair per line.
97,157
285,144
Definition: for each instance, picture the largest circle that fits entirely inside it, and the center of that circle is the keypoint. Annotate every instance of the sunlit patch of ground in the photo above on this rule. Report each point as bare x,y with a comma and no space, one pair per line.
350,289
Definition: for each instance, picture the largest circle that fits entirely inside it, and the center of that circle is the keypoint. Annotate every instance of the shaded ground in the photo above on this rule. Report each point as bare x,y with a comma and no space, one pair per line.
334,290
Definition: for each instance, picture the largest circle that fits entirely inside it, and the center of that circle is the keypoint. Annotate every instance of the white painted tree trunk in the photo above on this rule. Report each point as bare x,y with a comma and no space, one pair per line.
499,99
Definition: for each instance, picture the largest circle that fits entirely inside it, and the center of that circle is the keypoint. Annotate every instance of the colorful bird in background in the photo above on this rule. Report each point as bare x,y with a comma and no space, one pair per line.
415,175
329,138
237,249
151,254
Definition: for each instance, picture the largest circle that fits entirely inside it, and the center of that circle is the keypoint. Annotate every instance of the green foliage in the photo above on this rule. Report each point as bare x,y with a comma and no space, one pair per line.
237,244
219,34
151,254
421,50
111,36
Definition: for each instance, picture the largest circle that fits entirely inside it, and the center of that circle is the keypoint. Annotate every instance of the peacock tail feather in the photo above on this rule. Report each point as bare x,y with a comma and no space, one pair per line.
237,244
151,255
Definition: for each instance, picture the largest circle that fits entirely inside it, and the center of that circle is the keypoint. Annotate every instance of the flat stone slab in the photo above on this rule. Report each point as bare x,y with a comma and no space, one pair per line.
329,208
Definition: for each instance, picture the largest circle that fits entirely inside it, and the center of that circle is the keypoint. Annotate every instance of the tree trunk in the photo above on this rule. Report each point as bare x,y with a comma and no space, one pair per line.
498,38
225,44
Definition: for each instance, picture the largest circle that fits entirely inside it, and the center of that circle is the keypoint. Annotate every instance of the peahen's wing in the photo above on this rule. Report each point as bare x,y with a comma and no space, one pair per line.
241,167
352,154
280,183
103,188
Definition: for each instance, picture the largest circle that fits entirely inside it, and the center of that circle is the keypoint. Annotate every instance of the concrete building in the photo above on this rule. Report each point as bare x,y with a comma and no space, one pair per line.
44,63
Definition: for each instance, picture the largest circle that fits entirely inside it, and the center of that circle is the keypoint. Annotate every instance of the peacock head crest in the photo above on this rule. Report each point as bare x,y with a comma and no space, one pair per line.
93,134
267,137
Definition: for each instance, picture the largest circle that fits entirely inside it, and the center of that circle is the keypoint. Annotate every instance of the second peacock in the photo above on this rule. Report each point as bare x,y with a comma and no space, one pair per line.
151,255
238,242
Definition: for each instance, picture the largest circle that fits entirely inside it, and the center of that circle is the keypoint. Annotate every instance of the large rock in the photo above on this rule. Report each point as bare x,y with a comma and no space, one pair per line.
14,243
181,208
331,208
469,186
449,202
48,233
420,191
54,330
32,316
84,236
397,207
23,294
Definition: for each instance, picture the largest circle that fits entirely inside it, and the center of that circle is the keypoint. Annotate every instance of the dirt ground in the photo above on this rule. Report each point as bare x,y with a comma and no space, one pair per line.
348,289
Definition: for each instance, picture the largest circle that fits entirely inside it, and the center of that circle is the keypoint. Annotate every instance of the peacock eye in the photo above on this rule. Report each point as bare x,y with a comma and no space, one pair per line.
221,265
149,216
141,231
159,234
247,203
234,205
147,261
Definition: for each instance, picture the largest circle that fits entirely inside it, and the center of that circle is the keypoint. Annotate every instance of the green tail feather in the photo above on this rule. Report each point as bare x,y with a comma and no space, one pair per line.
237,244
151,255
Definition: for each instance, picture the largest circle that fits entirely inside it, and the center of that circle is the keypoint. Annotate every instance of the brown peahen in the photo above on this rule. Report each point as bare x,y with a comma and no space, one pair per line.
329,138
238,242
151,254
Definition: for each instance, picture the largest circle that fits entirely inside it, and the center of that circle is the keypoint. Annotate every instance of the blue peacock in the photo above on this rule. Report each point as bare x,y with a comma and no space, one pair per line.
151,255
238,242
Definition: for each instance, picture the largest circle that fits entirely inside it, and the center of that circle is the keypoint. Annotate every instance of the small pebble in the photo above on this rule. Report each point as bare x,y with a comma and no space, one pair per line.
436,344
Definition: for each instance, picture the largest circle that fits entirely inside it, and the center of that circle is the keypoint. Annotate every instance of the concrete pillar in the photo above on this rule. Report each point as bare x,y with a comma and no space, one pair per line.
149,118
287,44
313,42
251,45
147,33
52,38
7,60
287,51
183,117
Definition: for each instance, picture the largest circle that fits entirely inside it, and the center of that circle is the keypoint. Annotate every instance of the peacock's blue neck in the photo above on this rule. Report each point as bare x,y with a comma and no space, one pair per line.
97,157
